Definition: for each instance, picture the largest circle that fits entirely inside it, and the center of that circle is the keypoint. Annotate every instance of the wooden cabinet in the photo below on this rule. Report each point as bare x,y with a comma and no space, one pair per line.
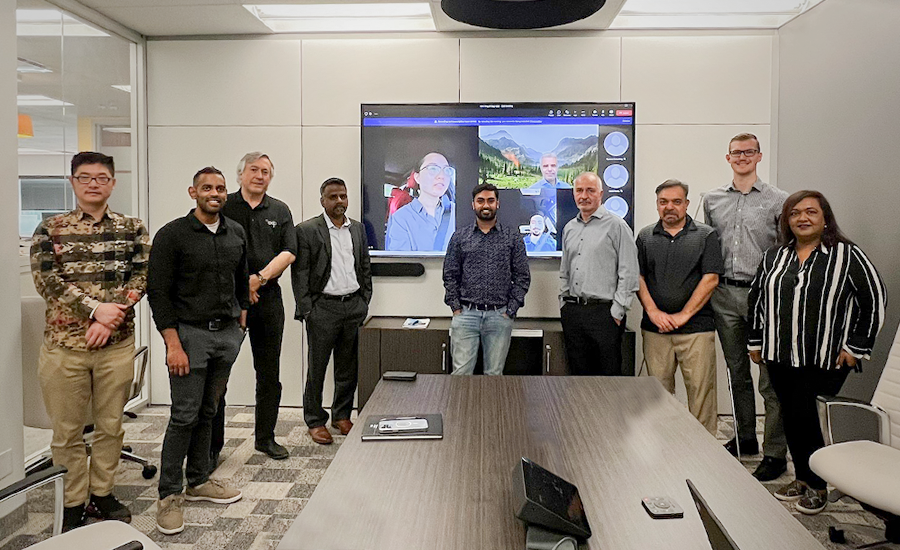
537,347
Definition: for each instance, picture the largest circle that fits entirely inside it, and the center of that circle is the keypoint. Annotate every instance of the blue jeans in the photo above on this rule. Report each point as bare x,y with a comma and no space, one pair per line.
491,328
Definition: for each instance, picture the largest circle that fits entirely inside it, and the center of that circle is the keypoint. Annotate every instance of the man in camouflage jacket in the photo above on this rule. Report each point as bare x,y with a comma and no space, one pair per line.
90,265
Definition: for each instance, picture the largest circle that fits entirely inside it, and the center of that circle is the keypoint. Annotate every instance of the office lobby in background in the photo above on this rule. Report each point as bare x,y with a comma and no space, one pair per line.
186,85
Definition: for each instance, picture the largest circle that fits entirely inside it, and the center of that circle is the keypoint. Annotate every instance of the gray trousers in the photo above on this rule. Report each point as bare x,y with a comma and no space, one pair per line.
732,323
195,398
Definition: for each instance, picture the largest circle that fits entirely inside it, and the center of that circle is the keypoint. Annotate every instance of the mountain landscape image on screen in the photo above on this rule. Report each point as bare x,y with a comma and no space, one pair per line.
511,164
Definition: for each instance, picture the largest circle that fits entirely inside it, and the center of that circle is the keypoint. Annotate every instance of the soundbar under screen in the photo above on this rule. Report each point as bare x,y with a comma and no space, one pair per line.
421,162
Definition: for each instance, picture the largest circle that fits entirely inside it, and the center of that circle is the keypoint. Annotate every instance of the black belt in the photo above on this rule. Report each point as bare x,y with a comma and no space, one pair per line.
481,307
735,282
212,325
585,301
343,298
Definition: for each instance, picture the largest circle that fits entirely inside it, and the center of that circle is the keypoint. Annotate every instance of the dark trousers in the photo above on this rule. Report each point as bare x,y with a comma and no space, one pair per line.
732,321
797,389
195,398
593,340
265,327
332,326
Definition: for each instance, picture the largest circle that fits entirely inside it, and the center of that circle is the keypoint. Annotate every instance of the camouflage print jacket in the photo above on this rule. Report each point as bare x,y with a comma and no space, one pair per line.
78,263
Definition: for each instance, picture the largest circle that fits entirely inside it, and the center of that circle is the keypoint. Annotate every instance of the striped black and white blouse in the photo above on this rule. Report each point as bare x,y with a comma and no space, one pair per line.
803,315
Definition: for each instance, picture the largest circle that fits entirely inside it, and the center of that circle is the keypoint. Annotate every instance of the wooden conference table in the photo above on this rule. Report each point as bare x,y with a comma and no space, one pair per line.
616,439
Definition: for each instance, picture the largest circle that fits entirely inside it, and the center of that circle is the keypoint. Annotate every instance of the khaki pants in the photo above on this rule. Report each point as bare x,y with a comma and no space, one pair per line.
696,354
69,379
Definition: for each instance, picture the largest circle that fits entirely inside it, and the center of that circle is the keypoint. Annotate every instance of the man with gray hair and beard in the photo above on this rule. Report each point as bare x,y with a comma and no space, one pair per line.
271,248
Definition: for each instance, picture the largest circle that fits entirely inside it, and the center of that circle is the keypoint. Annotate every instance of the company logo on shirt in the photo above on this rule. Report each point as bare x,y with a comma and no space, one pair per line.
273,223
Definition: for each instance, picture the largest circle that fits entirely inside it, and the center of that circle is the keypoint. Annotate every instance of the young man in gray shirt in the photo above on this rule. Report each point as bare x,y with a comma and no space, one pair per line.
746,214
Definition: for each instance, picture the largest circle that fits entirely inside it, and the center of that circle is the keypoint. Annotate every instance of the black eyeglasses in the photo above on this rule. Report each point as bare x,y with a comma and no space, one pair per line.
86,179
745,152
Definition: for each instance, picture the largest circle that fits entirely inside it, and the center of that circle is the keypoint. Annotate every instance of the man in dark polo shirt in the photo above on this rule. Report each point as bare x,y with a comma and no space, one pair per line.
198,290
271,248
486,277
680,262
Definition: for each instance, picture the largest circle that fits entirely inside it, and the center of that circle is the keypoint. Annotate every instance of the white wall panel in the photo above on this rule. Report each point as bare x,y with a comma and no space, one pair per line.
698,79
330,152
175,155
692,154
339,75
224,83
539,69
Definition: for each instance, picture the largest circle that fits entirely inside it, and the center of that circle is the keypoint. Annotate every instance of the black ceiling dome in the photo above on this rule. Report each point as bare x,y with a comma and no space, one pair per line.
519,14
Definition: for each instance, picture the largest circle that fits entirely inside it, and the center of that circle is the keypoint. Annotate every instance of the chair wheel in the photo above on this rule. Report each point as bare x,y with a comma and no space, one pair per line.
149,471
836,535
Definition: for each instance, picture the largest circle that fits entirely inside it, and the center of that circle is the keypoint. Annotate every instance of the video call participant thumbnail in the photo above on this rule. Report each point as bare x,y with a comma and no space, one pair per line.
546,187
539,238
426,223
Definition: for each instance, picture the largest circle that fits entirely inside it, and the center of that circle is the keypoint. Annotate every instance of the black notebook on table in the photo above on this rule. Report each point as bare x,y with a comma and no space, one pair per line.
403,426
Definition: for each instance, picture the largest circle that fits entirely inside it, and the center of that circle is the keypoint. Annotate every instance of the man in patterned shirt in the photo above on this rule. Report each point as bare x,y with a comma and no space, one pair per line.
486,277
90,265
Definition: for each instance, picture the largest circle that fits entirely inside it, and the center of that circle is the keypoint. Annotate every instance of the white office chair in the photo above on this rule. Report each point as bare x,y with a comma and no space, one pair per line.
103,535
35,414
861,458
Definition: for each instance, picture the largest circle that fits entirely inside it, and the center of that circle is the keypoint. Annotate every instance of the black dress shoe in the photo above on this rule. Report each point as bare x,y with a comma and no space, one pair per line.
748,447
272,449
73,516
108,507
770,468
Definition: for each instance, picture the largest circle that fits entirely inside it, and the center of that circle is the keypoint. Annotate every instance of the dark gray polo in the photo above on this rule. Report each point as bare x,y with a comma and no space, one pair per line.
672,267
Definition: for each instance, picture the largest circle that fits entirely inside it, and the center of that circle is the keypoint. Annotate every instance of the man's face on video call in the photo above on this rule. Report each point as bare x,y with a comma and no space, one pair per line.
549,168
537,225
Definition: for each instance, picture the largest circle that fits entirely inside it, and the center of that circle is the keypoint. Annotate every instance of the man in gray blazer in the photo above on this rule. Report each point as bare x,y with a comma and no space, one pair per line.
332,281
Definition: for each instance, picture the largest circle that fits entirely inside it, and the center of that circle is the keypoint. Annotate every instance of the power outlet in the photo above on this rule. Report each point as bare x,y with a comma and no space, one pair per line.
5,463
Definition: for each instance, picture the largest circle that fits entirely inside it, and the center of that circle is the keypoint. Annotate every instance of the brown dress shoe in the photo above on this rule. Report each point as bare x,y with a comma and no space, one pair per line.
343,425
320,435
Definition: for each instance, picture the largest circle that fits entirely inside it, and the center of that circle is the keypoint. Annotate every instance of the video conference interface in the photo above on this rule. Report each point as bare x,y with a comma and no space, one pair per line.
421,162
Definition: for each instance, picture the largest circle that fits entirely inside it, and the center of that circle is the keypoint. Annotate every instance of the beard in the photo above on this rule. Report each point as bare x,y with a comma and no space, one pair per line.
486,214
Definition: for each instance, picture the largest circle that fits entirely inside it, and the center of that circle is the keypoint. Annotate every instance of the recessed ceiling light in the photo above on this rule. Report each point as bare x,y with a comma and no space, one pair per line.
699,14
344,17
51,23
123,87
35,151
28,66
40,101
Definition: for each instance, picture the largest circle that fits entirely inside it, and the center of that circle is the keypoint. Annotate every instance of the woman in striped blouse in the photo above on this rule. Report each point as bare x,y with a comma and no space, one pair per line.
816,305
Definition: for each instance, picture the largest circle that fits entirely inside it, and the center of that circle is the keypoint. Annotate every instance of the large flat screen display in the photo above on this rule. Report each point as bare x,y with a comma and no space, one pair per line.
421,162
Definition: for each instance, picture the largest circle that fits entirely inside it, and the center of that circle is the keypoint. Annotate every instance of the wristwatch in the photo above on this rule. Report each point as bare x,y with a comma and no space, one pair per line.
262,280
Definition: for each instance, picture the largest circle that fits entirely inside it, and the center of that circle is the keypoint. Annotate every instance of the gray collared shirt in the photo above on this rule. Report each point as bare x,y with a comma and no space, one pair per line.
747,224
599,260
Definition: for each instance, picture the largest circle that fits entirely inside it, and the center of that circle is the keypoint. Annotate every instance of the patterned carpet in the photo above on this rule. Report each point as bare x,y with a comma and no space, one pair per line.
276,491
